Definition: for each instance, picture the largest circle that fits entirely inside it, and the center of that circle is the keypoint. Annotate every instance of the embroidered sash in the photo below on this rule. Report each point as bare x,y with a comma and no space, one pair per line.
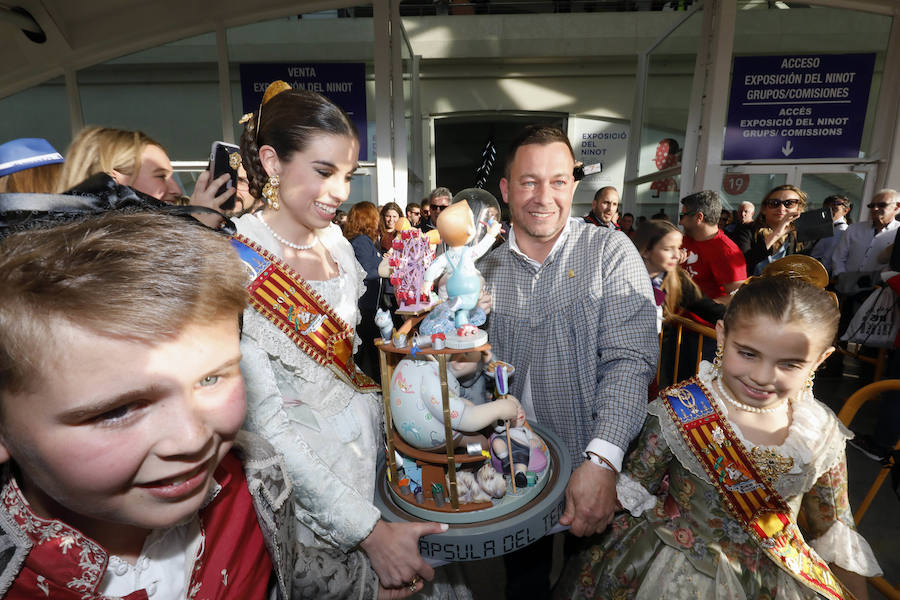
279,294
760,510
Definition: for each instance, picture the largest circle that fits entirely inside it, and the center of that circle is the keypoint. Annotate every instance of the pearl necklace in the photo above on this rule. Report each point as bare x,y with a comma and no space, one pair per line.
720,387
284,241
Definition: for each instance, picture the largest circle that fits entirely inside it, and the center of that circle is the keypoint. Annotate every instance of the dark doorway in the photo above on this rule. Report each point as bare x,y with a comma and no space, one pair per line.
459,141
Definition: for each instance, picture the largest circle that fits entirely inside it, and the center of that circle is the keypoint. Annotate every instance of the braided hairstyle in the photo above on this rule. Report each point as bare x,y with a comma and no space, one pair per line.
289,122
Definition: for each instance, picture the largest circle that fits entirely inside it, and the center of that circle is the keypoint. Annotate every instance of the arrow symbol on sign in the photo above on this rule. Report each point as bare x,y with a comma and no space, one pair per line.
787,149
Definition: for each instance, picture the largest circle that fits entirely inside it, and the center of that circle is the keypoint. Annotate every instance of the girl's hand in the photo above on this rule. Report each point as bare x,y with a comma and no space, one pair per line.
393,550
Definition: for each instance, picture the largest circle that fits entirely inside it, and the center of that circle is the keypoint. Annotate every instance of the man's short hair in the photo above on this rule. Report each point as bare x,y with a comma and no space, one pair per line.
706,202
599,193
747,203
439,192
142,277
412,205
426,202
542,135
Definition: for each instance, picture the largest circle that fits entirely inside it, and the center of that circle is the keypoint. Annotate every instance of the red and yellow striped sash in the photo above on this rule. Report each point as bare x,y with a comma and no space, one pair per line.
279,294
750,498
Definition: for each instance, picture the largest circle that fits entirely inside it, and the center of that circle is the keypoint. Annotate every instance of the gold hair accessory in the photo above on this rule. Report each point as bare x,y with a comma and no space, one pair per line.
275,88
798,266
270,192
246,117
234,160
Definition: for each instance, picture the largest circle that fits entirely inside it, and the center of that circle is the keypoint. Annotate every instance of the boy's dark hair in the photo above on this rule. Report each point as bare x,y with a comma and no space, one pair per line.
535,134
706,202
131,276
785,299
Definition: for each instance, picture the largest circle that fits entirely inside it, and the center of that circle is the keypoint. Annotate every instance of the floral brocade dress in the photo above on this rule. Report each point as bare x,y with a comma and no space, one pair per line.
678,539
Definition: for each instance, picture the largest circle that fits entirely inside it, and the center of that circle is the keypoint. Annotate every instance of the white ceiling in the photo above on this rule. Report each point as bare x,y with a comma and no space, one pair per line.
81,33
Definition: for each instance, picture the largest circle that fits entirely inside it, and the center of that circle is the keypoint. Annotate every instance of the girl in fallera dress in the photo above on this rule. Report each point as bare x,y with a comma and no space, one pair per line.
724,463
305,396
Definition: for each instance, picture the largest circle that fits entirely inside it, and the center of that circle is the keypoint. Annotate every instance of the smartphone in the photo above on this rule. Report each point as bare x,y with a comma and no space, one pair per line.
225,158
814,224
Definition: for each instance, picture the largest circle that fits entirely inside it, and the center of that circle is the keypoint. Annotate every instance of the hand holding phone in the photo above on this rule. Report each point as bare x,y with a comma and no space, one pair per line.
225,158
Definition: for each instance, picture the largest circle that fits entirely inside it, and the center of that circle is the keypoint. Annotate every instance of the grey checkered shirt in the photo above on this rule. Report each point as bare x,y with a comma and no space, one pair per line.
583,325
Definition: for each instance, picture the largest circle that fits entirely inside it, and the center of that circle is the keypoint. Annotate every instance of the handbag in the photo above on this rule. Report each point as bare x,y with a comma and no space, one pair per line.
877,320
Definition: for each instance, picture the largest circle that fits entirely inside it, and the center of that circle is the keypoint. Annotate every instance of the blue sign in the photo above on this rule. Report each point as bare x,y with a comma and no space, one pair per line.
342,83
799,106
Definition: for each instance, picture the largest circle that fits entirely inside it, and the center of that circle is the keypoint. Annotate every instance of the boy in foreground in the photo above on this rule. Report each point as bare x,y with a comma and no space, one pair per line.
121,400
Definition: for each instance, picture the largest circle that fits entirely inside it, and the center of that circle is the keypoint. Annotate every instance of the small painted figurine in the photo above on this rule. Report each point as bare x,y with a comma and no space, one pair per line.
526,450
417,409
457,227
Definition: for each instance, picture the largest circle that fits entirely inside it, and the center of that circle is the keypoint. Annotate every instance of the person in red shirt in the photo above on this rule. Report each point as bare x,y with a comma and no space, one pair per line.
712,260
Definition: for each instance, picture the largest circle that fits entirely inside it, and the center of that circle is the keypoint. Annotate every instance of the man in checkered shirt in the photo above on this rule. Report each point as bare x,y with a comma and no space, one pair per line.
573,311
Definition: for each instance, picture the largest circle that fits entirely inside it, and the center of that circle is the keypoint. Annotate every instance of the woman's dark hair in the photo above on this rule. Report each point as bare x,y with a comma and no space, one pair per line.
785,299
645,238
288,122
389,206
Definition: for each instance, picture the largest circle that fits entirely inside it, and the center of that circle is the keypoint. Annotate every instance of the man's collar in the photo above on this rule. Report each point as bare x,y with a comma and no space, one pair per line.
514,246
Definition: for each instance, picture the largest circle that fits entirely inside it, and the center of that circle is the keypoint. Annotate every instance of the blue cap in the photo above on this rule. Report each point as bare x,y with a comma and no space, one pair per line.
26,153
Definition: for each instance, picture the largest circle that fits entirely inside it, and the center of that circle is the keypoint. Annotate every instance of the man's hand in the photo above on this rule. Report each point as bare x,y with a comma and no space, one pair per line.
393,550
590,499
205,195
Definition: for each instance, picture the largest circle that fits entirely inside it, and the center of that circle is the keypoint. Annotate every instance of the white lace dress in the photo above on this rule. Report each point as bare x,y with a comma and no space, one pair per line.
329,433
683,543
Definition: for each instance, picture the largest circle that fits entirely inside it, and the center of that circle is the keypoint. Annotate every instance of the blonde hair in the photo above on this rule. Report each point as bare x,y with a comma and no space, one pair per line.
36,180
103,150
133,276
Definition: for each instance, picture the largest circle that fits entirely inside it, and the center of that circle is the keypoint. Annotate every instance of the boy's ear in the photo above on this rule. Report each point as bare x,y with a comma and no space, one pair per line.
4,453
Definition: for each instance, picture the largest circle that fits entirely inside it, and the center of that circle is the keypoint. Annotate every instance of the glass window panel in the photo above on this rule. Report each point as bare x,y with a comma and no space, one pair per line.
169,92
657,198
41,111
667,99
819,186
749,187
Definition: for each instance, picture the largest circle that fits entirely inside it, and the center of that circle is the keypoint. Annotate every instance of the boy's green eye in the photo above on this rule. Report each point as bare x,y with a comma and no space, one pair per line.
209,380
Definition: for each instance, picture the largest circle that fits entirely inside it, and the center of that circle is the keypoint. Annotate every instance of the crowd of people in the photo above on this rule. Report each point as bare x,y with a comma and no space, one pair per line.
174,425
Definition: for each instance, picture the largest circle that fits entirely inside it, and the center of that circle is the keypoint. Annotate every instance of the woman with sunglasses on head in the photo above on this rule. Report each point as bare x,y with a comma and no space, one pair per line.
772,235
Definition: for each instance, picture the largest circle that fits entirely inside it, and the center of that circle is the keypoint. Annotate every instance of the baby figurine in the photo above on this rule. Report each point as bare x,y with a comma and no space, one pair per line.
526,450
417,409
457,227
